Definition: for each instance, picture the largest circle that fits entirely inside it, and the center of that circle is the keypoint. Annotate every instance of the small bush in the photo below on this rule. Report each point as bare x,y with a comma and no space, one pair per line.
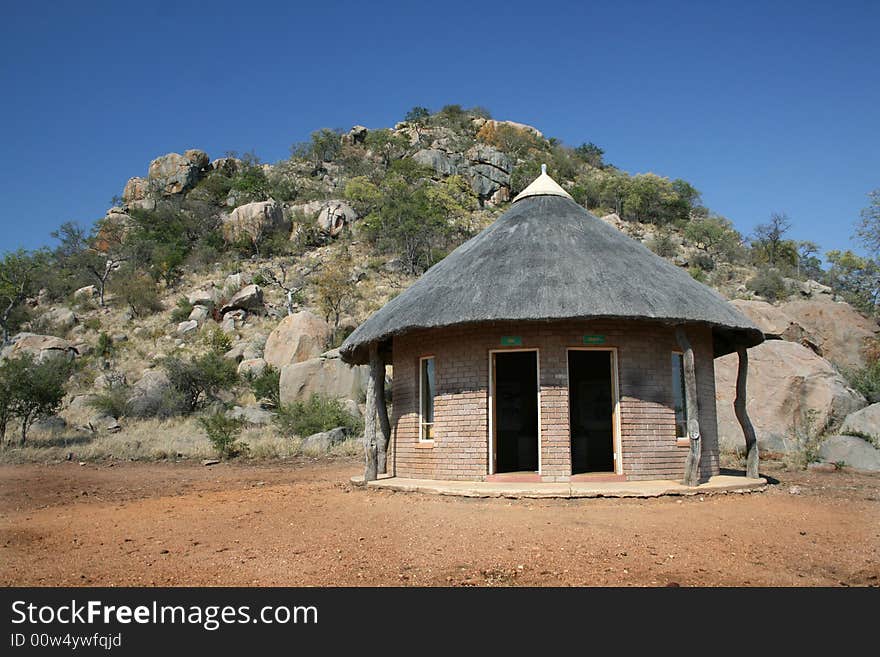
769,284
703,261
200,378
866,380
266,385
319,413
92,324
217,341
663,246
181,310
697,274
105,347
138,292
113,401
223,432
804,441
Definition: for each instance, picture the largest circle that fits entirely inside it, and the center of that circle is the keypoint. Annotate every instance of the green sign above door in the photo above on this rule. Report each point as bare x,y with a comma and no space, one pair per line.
511,341
594,339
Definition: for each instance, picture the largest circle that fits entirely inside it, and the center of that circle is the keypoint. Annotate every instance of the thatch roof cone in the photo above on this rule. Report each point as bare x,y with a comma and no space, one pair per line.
547,258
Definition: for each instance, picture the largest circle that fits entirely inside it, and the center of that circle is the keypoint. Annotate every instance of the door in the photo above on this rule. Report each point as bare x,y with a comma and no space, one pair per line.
592,403
515,411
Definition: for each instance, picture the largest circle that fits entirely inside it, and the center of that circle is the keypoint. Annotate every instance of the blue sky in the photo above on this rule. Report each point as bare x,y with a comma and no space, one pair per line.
764,106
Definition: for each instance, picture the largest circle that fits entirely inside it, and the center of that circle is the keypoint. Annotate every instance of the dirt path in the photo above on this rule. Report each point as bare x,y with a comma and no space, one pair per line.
300,523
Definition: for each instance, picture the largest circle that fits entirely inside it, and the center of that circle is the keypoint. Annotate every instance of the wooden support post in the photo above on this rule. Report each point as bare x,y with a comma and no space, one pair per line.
692,464
739,407
370,443
377,373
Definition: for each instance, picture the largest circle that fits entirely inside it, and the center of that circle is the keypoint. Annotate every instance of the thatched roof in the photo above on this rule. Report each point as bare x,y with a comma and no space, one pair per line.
547,258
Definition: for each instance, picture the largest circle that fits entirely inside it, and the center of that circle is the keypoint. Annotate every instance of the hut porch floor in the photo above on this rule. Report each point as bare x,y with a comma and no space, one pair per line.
572,489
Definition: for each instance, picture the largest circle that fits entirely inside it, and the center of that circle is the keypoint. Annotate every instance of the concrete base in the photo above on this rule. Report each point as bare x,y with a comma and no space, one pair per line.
652,488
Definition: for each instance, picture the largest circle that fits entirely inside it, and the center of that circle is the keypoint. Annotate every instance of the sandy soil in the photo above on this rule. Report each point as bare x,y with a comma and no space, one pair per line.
299,522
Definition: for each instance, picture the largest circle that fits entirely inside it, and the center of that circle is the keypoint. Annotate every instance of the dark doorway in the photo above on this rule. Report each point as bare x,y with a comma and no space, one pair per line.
591,406
516,411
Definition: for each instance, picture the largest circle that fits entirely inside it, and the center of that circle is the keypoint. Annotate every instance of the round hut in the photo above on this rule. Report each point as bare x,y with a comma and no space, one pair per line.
550,347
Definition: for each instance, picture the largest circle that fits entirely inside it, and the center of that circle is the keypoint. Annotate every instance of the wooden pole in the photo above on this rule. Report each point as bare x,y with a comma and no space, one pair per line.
692,464
377,372
370,446
742,415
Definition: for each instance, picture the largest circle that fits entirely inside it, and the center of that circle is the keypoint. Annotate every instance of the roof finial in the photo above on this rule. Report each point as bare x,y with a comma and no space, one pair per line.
543,185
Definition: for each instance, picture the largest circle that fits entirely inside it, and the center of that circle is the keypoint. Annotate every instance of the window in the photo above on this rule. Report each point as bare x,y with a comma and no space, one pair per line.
426,398
678,396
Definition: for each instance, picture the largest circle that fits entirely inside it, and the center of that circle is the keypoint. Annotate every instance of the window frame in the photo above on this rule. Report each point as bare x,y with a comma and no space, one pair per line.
422,423
684,440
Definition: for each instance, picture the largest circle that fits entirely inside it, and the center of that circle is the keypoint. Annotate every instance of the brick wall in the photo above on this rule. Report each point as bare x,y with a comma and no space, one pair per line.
649,449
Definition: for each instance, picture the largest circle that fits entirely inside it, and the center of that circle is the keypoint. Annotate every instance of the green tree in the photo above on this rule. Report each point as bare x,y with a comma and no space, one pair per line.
386,145
770,245
407,222
855,278
33,389
715,236
868,228
96,256
335,291
19,273
223,432
138,292
590,153
200,378
364,196
808,263
417,114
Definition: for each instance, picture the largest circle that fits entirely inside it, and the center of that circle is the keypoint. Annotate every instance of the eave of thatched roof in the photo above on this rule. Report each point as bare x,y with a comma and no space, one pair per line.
547,258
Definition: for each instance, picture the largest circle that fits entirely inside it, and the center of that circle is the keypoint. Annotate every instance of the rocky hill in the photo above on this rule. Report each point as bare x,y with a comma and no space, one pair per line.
271,265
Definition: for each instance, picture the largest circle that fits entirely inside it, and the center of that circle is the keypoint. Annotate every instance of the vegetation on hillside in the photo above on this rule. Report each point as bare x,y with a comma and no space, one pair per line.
410,215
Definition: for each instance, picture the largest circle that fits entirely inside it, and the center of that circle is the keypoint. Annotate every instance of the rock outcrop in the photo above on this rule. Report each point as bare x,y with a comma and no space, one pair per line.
249,298
331,217
839,332
41,347
168,175
253,220
864,422
174,173
297,338
149,393
319,443
772,320
850,451
325,376
786,382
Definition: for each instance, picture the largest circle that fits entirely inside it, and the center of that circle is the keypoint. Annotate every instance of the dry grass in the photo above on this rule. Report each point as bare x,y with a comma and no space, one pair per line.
150,440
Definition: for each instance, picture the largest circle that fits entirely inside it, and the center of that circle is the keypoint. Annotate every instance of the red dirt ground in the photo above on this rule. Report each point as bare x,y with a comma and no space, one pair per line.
299,522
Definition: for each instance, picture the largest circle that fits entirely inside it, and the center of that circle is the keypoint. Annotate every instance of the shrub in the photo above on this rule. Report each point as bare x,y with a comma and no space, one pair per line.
30,389
703,261
200,378
217,341
223,432
866,380
138,292
113,401
105,347
318,413
805,440
266,385
662,245
181,310
769,284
